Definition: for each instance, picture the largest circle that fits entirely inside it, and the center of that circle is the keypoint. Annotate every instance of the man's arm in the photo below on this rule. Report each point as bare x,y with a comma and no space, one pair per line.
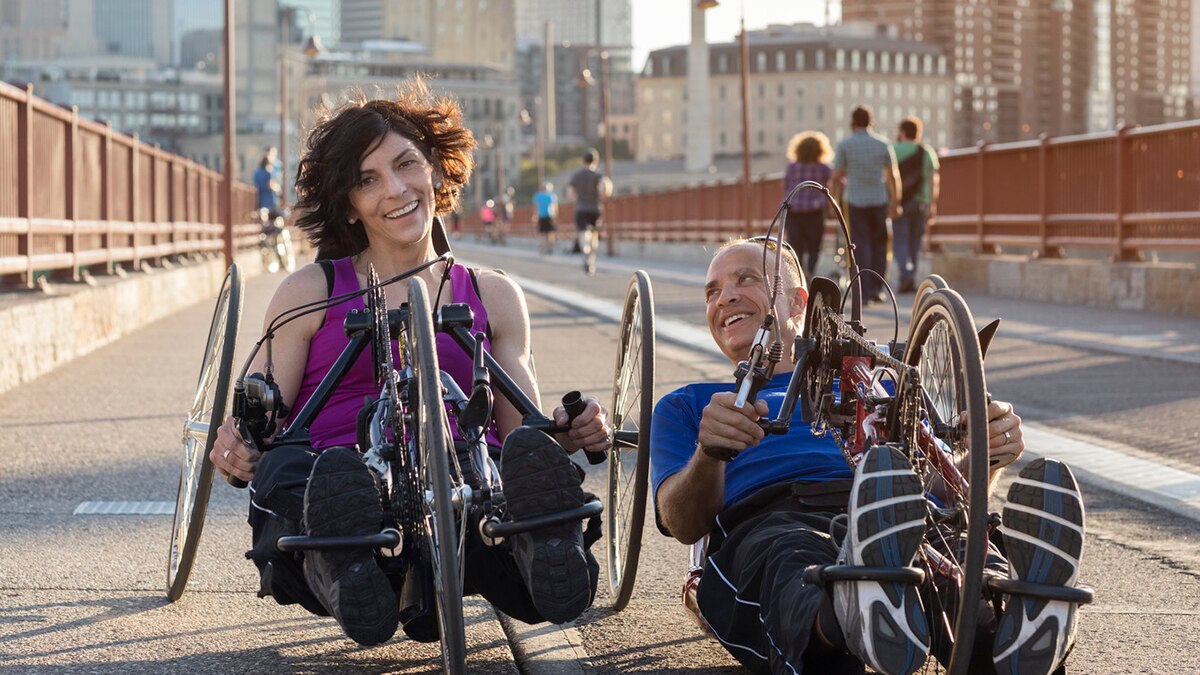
606,186
690,500
836,180
891,177
935,184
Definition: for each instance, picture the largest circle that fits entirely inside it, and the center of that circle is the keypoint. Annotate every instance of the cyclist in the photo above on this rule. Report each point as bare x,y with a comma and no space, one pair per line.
374,175
770,505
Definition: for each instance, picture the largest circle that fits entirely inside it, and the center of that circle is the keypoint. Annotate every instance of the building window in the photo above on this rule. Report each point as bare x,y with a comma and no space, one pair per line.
780,61
666,66
870,62
722,63
899,64
820,112
915,69
854,59
760,62
885,62
928,64
800,113
799,59
722,139
821,60
839,59
649,67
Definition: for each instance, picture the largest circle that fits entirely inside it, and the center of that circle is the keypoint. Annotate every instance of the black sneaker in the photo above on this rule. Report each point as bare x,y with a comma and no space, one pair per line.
539,479
1043,537
343,498
883,623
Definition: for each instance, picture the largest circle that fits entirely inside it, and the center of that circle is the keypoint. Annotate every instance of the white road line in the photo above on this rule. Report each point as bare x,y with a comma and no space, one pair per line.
1113,467
125,509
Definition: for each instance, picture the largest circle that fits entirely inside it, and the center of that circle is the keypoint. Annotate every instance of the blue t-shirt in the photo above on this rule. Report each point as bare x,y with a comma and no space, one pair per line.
262,183
797,455
543,201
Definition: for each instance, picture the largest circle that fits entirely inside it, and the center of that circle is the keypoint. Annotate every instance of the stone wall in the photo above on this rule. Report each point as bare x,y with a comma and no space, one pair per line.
41,331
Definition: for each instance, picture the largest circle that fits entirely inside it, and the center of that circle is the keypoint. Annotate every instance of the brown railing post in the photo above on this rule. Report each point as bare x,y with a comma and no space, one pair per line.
25,182
133,201
69,187
1121,254
980,202
1044,178
106,195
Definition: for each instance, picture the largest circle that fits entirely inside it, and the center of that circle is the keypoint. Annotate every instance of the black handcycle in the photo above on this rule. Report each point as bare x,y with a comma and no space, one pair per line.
431,496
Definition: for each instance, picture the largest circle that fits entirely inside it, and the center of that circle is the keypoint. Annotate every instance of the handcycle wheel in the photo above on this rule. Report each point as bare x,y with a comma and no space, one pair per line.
931,283
629,456
434,472
944,351
199,434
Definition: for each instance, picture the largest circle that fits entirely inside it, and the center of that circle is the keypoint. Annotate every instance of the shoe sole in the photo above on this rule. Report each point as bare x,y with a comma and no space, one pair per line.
342,499
1043,537
540,472
888,516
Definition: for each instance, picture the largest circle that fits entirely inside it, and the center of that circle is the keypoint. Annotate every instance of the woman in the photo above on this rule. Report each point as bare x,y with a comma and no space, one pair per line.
809,154
373,176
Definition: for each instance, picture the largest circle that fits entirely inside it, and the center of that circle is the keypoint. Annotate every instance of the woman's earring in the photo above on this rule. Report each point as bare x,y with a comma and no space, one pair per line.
350,220
437,185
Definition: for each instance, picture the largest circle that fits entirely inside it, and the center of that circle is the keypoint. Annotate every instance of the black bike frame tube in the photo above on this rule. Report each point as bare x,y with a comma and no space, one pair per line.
500,379
332,379
783,422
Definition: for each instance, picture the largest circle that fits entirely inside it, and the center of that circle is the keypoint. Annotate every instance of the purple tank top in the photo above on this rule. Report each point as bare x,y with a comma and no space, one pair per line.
334,424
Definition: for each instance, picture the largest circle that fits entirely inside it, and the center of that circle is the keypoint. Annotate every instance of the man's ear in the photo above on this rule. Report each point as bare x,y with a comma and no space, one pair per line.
799,300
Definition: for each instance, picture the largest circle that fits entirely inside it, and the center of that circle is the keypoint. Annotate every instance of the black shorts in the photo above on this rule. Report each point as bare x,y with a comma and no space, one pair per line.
545,224
586,219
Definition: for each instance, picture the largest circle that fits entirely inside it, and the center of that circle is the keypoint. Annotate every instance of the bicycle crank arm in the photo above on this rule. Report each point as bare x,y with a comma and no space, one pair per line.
494,529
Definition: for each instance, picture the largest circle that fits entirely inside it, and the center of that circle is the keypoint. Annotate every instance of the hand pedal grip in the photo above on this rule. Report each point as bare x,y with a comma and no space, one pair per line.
573,403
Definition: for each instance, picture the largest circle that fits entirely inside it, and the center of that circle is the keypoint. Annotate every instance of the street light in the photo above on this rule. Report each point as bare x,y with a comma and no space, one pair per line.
230,136
583,82
312,47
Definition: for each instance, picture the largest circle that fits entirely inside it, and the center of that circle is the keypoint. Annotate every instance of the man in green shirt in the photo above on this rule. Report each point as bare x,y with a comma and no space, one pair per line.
919,182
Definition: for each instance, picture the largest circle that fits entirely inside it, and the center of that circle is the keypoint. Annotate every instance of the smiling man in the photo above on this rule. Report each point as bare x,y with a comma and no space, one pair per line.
773,505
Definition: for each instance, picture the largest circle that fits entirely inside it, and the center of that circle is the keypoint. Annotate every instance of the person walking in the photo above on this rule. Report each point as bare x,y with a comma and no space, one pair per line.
587,188
872,189
266,185
487,214
920,183
546,204
808,154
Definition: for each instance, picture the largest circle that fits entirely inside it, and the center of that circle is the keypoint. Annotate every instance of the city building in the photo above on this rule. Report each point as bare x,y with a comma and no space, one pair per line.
31,30
1027,67
800,77
474,32
140,28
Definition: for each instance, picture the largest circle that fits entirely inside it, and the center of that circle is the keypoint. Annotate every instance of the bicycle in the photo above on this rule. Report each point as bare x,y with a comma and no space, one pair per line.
275,242
431,498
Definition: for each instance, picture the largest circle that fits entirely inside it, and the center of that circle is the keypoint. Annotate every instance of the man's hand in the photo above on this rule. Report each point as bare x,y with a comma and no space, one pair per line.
726,430
1005,440
589,431
895,210
931,215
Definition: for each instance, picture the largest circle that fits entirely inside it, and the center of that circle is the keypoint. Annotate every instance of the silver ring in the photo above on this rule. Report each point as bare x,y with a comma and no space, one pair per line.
227,450
1005,441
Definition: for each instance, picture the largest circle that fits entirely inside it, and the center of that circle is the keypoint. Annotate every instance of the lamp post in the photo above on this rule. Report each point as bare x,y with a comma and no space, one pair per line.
230,136
745,73
312,47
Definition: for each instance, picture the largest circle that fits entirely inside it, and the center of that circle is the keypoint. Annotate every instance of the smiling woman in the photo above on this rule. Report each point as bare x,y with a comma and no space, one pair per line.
372,179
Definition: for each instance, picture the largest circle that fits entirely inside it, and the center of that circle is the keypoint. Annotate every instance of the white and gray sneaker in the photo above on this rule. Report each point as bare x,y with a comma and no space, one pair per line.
883,622
1043,537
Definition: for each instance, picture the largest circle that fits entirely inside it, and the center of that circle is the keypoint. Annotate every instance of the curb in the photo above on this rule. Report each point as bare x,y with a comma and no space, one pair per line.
545,649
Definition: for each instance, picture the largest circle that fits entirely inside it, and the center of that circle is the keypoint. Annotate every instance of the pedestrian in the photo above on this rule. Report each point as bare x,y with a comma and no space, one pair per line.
773,504
546,204
508,203
808,154
266,186
456,223
374,175
920,184
589,188
487,215
872,190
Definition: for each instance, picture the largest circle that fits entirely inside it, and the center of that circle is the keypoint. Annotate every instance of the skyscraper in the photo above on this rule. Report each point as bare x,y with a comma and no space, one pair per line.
466,32
140,28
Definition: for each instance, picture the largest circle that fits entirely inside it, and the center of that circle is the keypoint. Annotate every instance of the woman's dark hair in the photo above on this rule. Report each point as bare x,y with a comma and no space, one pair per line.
329,164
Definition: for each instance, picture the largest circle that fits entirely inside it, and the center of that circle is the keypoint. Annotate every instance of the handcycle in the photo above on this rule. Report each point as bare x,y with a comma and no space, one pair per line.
927,397
431,497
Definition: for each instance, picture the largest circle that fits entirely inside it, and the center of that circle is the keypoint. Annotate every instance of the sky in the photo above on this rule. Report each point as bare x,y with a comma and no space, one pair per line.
663,23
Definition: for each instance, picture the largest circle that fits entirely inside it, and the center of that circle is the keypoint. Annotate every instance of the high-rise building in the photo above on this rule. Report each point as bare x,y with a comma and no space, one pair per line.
139,28
575,21
31,29
326,16
451,32
1026,67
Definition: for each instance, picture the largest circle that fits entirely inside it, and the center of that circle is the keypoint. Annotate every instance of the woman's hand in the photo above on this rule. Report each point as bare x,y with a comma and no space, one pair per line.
589,431
232,455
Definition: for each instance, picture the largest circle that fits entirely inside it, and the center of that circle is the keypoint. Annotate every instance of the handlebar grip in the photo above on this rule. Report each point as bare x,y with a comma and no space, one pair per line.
573,403
229,478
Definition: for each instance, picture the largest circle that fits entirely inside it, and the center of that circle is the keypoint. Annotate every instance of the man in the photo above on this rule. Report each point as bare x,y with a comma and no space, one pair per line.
920,184
546,203
868,164
267,186
588,187
770,506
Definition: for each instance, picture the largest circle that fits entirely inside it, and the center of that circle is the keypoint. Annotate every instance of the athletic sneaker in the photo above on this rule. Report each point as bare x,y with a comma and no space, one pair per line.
343,498
883,622
1043,537
540,479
